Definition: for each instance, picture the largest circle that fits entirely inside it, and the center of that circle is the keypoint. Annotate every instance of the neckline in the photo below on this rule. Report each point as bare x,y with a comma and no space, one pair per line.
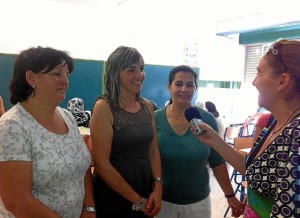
133,113
59,110
290,118
166,119
264,136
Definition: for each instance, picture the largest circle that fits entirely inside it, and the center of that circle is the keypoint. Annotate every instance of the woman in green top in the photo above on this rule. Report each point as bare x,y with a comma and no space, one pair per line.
184,158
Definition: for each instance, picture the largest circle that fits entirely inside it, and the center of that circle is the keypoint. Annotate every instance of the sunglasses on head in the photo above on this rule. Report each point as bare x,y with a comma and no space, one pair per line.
274,48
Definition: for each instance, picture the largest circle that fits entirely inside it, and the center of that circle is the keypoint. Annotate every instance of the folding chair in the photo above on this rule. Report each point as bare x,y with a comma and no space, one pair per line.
247,130
244,145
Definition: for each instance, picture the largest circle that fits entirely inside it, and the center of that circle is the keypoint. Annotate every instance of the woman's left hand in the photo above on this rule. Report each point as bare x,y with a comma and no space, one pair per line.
87,215
237,207
154,203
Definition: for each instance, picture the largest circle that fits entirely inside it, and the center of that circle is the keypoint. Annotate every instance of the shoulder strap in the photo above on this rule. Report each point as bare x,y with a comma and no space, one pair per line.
260,140
146,106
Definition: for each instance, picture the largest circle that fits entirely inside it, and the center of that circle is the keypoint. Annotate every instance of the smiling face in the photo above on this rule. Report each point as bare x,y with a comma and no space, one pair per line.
183,88
51,86
132,78
266,84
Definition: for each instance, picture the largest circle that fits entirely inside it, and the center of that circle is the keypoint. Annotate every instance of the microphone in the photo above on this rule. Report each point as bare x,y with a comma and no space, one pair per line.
194,117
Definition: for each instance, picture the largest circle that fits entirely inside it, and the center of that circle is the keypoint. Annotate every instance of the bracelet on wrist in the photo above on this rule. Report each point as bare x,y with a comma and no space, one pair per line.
157,179
89,209
139,206
229,196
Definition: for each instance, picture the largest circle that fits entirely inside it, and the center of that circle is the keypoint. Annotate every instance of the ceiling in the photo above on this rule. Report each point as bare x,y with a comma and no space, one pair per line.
258,20
234,15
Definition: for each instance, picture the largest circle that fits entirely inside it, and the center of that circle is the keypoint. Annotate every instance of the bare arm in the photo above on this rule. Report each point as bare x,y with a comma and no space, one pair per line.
2,110
16,191
257,132
222,176
155,161
89,196
102,135
232,156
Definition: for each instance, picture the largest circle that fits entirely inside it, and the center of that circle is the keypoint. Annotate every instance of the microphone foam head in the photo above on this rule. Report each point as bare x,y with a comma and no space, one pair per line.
191,113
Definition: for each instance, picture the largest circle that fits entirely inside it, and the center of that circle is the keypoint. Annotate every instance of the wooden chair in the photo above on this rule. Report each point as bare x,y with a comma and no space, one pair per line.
247,130
231,132
244,145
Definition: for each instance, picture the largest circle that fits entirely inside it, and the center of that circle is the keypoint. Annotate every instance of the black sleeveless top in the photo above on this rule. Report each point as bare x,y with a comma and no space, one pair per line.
132,135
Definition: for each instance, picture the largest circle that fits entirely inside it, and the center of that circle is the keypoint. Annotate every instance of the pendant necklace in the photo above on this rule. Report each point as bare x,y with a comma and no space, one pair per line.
275,131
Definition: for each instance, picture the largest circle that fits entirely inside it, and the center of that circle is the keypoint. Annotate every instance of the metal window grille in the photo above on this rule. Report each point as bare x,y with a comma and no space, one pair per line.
253,55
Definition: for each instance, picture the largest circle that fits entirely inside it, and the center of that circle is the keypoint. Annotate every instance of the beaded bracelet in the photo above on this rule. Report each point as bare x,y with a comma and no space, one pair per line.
157,179
138,207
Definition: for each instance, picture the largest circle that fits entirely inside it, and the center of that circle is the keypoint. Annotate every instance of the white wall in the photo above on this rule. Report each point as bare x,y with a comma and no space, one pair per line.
92,29
160,29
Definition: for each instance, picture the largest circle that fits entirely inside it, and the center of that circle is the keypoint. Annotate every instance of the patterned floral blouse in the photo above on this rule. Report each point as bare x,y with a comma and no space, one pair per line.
274,173
59,162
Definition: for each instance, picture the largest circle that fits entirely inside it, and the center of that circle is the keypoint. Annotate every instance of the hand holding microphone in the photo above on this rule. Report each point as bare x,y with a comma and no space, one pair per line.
193,115
207,135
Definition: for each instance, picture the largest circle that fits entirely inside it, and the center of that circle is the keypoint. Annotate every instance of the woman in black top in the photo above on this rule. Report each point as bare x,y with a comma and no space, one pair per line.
127,162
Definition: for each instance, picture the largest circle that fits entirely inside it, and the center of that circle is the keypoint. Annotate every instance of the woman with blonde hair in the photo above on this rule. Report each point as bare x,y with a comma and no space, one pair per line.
127,179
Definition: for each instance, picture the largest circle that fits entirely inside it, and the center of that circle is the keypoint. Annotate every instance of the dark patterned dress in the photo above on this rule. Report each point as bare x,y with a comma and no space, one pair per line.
274,173
132,136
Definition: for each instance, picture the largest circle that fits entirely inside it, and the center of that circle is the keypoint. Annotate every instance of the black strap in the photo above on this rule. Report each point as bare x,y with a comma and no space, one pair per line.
260,140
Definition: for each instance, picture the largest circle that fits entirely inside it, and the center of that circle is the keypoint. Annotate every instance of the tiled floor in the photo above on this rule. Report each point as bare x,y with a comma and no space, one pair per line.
219,202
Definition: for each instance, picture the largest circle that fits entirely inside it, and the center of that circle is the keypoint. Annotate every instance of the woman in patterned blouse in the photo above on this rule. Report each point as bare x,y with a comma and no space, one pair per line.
272,168
44,163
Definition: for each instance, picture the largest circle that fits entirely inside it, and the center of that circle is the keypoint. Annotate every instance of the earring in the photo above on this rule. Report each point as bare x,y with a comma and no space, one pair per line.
33,91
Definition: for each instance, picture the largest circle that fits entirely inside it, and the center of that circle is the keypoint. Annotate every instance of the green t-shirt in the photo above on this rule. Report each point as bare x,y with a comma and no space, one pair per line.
184,161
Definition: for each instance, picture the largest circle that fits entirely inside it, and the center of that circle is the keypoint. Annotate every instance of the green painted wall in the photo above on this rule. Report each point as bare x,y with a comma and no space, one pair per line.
87,79
269,35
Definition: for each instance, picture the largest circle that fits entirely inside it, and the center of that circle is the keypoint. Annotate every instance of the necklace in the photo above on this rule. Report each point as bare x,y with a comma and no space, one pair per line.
274,132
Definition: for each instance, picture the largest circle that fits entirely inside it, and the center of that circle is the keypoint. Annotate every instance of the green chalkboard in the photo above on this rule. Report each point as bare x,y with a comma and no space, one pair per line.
6,70
86,81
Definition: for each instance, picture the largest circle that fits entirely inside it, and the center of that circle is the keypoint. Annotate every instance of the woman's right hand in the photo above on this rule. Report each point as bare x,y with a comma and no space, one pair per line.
153,204
211,137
